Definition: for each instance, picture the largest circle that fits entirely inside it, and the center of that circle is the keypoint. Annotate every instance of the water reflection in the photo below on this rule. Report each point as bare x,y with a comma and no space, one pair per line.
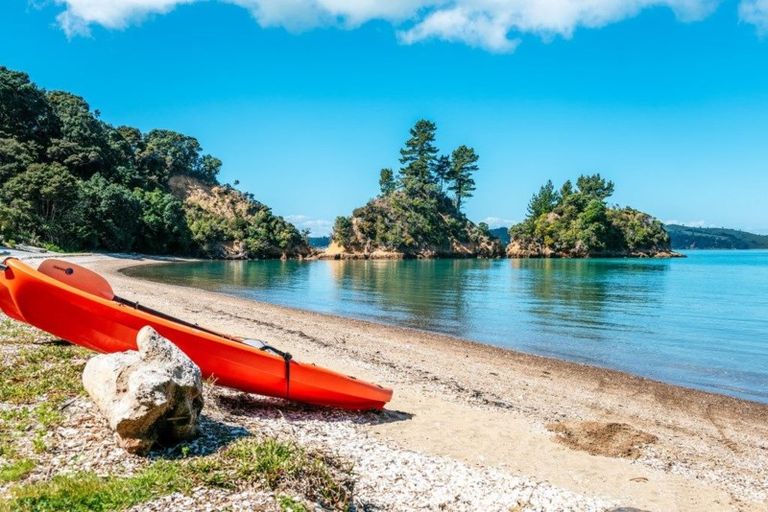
432,294
702,321
590,299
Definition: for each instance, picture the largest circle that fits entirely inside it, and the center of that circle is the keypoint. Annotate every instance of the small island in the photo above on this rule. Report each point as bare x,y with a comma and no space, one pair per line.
418,211
576,222
418,215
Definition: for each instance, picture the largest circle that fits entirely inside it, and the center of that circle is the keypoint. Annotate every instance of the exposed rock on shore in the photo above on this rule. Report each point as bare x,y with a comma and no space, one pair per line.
516,249
153,395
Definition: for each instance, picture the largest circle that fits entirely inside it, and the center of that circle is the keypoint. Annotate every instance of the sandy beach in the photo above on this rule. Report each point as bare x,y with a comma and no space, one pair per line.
476,427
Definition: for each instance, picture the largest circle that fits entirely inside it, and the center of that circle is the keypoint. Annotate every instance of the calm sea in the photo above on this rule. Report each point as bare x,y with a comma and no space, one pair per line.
700,322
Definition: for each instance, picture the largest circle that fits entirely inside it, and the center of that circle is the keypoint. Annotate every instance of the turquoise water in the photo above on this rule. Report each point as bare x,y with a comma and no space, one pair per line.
700,322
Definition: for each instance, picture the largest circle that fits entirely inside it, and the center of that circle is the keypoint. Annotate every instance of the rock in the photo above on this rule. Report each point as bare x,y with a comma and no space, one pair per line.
150,396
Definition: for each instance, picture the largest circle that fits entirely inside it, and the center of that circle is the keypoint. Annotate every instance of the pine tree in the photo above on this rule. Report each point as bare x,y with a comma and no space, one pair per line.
595,186
463,165
544,201
418,157
442,170
387,181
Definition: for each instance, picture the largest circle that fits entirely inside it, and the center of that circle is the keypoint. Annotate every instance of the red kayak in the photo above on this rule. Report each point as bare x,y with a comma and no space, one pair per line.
78,305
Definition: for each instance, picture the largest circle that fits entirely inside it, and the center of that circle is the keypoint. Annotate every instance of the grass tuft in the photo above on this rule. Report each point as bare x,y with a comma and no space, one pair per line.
278,466
88,492
16,470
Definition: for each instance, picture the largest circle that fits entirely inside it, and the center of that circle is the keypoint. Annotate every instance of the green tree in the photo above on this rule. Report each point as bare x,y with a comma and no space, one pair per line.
387,181
44,206
342,231
418,157
167,153
207,169
581,224
463,166
15,157
25,114
442,170
163,226
71,180
595,186
544,201
82,144
113,214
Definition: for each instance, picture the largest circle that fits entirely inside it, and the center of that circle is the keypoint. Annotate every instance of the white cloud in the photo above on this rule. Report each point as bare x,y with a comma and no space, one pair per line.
302,14
79,15
316,227
755,12
489,23
495,25
498,222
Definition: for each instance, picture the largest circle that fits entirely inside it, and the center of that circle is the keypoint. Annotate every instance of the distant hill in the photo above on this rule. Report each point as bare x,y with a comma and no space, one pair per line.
502,234
686,237
319,242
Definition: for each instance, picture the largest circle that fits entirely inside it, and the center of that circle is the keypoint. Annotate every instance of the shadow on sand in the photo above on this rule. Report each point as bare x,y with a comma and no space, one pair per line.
238,404
213,436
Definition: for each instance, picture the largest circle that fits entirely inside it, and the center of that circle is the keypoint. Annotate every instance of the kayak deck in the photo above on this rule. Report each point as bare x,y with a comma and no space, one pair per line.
104,325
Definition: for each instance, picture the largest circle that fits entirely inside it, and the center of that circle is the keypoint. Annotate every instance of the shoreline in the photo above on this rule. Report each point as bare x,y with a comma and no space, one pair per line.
470,344
500,410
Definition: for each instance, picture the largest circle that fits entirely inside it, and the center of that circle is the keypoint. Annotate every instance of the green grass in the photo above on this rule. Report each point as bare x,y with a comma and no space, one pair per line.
12,332
277,466
47,371
89,492
36,380
16,470
288,504
267,464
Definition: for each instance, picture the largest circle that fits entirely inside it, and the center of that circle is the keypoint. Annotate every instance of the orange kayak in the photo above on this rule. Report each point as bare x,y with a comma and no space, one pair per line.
74,313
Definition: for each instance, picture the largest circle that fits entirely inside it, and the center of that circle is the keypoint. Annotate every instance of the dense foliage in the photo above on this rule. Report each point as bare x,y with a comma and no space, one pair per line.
418,212
69,180
576,221
687,237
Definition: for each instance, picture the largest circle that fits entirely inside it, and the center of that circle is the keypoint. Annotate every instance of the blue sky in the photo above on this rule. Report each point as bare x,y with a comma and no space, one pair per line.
305,100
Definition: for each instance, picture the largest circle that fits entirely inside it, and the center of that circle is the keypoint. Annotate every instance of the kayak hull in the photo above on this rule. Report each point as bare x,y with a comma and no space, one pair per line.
108,326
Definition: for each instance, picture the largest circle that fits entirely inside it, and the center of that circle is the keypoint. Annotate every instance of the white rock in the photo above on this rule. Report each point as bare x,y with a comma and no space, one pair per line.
153,395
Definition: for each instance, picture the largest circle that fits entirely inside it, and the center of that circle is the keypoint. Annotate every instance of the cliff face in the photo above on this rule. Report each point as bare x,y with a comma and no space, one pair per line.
398,226
231,224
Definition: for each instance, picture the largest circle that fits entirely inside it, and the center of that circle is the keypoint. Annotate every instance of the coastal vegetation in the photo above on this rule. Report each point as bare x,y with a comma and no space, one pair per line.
418,212
687,237
70,181
576,221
